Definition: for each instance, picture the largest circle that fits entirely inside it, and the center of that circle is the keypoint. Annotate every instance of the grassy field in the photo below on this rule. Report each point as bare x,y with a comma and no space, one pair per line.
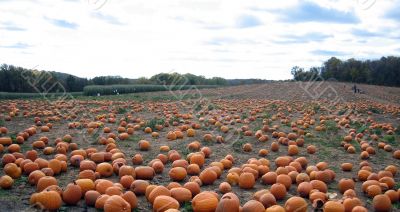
93,90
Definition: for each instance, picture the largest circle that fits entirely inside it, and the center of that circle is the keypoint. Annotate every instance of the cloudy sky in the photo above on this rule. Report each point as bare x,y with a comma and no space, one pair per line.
226,38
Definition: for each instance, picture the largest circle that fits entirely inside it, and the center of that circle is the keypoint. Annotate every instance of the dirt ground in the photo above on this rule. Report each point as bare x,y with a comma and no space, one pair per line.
278,104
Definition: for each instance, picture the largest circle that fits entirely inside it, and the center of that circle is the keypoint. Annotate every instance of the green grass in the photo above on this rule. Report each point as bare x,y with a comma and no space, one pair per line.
266,115
153,122
342,112
362,128
93,90
238,145
397,186
134,138
10,95
331,126
377,131
96,134
390,139
375,110
122,110
173,119
21,180
5,195
187,207
211,107
397,131
316,108
197,107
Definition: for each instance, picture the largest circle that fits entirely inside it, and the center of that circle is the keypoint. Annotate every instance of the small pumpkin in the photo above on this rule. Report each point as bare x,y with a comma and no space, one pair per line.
45,182
85,184
158,191
278,190
345,184
163,203
205,202
72,194
229,202
48,200
181,194
296,204
246,180
6,182
177,173
253,206
91,197
144,172
333,206
208,176
116,203
139,186
105,169
131,198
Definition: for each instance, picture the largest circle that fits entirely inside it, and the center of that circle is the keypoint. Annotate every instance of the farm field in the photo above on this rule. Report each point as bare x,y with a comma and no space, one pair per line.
300,146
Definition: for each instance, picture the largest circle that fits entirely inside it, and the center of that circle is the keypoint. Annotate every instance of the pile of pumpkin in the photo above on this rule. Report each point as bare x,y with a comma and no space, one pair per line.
312,180
122,196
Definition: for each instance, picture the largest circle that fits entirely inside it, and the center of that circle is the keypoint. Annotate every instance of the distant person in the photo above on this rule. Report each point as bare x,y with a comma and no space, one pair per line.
355,88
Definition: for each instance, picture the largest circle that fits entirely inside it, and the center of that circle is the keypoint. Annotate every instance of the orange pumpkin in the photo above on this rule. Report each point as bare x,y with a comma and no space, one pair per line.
116,203
72,194
177,173
204,202
246,180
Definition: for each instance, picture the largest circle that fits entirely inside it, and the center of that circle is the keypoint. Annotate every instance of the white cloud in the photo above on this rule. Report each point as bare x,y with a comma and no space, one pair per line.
142,38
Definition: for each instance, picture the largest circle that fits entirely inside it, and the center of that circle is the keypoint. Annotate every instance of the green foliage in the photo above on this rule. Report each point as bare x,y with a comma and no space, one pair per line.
21,80
122,110
377,131
396,131
375,110
385,71
155,121
238,145
11,95
267,115
134,138
173,119
331,126
341,112
187,207
316,108
391,139
93,90
362,128
197,107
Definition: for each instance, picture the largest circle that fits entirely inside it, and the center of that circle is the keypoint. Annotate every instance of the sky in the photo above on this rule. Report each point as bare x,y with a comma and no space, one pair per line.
226,38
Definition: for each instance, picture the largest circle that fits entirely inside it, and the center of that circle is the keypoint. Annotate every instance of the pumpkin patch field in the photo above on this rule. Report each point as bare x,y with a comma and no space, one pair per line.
269,147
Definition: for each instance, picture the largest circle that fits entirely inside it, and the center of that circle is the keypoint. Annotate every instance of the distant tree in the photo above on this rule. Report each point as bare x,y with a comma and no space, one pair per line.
385,71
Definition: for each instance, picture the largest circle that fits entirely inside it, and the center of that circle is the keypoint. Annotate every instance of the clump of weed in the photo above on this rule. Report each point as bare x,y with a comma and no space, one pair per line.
155,121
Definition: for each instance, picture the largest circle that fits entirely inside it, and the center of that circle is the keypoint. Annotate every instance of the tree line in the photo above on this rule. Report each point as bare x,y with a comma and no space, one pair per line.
384,71
22,80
